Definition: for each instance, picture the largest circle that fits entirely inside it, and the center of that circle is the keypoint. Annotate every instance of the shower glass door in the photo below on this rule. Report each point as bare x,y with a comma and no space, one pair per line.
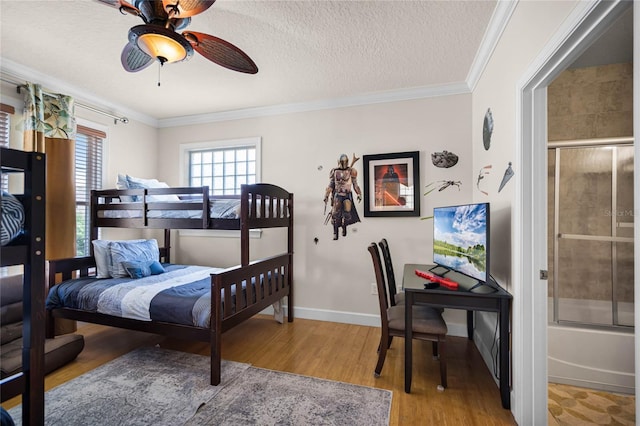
591,217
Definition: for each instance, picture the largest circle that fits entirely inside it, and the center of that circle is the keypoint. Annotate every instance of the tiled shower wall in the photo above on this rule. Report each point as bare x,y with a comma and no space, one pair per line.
587,103
594,102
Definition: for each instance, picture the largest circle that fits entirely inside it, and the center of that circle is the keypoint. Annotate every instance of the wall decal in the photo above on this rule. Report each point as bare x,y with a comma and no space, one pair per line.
487,129
441,185
444,159
483,172
341,181
508,174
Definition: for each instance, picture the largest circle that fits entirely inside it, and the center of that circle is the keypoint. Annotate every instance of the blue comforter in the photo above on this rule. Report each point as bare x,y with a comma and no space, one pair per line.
181,295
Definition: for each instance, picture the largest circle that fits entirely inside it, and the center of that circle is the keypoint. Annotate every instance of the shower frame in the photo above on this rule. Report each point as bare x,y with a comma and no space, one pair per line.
557,236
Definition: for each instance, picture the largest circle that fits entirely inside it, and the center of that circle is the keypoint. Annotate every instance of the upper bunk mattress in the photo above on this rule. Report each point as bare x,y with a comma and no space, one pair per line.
227,208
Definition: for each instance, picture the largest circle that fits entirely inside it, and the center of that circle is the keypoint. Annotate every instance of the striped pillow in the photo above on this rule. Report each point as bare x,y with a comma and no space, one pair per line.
12,218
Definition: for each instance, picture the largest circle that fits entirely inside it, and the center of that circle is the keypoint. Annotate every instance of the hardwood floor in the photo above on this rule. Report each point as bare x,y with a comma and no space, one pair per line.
333,351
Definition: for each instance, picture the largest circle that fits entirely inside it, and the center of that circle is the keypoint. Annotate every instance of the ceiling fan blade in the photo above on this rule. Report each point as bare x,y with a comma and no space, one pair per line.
133,59
221,52
186,8
122,5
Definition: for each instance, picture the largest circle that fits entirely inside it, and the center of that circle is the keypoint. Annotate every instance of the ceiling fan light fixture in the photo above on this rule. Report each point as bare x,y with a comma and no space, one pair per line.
165,45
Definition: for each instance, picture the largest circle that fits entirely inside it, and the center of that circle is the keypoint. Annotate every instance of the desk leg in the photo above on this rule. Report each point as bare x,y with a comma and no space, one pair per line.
505,371
408,340
470,325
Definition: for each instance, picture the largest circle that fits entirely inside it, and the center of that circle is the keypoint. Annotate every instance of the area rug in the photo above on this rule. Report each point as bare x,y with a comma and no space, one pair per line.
149,386
266,397
154,386
570,405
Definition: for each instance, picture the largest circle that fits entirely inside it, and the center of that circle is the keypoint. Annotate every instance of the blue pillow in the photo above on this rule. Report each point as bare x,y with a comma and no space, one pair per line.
144,268
127,251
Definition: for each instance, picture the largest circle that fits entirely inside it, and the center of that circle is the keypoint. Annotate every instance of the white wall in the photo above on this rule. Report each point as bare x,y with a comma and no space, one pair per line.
335,276
530,29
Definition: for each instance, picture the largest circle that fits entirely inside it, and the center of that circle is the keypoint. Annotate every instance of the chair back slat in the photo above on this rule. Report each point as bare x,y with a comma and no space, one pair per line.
380,282
388,264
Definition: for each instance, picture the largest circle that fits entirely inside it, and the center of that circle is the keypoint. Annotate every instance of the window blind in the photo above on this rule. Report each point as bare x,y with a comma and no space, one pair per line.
89,144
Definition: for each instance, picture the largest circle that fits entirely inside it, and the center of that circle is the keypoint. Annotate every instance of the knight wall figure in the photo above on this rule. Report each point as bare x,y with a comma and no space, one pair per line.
342,180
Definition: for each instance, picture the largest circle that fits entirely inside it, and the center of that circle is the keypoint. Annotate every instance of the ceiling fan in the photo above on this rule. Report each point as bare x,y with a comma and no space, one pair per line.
158,39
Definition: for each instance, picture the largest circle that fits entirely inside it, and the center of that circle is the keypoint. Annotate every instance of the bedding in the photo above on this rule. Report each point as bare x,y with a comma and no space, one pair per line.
223,208
181,295
138,183
12,218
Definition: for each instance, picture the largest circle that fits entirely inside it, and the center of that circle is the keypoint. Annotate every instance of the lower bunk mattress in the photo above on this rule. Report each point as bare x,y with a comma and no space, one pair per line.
181,295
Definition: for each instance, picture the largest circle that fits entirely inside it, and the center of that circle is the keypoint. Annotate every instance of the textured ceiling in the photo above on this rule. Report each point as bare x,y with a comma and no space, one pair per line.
306,51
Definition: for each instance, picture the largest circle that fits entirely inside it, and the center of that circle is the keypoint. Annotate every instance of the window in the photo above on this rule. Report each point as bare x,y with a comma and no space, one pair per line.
89,145
223,166
5,128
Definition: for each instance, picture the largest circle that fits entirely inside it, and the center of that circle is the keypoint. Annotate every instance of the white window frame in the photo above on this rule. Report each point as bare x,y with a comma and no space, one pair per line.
186,148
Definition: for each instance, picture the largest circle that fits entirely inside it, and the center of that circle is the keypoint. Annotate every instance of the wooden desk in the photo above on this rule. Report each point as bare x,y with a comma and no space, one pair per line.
499,301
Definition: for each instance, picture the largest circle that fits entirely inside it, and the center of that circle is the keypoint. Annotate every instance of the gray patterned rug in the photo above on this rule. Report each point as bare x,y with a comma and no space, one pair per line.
154,386
149,386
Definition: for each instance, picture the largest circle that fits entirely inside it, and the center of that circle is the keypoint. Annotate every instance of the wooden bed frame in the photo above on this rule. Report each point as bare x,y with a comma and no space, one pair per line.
262,206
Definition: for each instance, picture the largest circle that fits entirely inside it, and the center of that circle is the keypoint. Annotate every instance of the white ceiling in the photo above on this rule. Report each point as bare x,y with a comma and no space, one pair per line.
306,51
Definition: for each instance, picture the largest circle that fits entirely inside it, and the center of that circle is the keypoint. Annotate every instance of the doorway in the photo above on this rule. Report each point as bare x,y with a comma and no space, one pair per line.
589,21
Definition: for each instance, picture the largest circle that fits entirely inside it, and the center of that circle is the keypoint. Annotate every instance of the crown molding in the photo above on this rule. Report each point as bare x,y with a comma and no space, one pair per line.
366,99
21,73
499,20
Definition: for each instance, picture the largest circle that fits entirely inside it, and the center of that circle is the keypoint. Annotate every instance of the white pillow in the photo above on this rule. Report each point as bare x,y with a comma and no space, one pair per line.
122,183
139,183
102,255
128,251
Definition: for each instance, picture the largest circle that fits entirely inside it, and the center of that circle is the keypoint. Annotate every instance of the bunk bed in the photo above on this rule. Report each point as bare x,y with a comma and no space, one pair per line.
260,283
26,248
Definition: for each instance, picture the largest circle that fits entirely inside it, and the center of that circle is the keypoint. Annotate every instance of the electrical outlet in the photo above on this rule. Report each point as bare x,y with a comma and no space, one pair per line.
374,288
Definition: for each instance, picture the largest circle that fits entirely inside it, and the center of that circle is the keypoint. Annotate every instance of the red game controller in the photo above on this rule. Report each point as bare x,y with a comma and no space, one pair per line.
442,281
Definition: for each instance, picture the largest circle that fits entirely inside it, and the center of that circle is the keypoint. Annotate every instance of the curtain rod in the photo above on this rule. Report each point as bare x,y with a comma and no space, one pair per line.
116,118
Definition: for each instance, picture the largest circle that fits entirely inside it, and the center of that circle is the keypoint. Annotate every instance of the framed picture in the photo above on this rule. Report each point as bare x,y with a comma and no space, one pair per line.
391,184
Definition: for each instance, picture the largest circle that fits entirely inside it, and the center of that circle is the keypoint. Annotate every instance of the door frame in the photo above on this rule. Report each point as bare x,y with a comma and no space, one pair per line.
585,24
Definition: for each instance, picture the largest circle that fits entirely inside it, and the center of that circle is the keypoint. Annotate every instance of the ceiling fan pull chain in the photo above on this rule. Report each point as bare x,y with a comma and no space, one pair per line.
159,68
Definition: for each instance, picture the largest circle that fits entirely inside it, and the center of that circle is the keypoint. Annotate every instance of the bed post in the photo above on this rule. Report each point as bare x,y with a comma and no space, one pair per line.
244,226
290,250
94,217
167,245
215,326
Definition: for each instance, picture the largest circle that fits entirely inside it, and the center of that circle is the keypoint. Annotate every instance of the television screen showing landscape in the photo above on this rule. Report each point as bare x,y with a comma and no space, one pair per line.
460,239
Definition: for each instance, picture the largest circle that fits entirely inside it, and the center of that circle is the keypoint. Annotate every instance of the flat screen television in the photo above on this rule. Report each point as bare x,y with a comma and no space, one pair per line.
461,239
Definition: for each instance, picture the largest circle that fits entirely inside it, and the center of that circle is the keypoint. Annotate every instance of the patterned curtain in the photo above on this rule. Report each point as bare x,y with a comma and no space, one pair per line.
47,116
50,127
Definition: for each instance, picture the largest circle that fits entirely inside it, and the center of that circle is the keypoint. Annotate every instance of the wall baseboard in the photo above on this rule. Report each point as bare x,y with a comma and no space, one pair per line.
370,320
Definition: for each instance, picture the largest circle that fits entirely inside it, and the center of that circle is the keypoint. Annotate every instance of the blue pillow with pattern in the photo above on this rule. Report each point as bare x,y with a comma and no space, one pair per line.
143,268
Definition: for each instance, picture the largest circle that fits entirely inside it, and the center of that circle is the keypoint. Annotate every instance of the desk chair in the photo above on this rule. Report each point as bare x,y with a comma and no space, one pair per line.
427,322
